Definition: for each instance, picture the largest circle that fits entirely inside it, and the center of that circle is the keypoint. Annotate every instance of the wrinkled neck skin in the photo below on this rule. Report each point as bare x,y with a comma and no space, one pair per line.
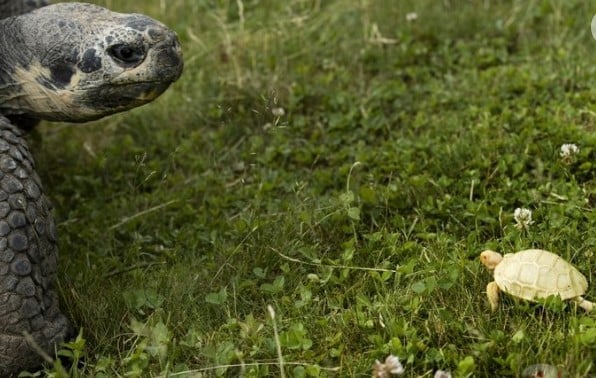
28,84
14,58
36,75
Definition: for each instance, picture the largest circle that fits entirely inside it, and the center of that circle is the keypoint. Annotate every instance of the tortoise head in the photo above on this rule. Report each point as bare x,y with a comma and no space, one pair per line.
79,62
490,259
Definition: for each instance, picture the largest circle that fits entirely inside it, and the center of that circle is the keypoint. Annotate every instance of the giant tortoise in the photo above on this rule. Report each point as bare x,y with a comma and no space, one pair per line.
63,62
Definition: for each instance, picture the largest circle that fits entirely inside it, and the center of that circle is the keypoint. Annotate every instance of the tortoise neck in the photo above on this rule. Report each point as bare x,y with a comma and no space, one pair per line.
15,59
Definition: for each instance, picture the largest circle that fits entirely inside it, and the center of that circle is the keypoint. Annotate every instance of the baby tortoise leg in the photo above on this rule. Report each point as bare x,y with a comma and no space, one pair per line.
28,258
585,304
492,292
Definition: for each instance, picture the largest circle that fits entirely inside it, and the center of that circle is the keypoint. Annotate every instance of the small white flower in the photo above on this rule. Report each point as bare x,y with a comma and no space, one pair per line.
391,366
442,374
568,151
278,112
523,218
412,16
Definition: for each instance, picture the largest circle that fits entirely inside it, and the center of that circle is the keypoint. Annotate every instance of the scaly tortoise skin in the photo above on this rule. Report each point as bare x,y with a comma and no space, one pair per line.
534,274
63,62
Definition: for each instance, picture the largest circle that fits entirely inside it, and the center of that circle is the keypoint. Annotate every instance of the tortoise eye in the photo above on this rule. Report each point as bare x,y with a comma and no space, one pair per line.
126,55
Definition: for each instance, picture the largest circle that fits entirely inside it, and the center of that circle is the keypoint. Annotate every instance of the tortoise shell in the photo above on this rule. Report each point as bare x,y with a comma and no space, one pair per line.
535,273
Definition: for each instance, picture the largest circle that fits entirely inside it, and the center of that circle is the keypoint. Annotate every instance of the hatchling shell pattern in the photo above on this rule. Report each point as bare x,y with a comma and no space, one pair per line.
536,274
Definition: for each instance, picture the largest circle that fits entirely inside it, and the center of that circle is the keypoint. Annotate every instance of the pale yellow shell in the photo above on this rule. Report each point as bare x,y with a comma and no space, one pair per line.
535,273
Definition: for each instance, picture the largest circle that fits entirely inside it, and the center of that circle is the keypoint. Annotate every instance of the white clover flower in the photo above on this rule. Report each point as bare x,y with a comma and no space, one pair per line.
278,112
568,151
442,374
391,366
523,218
412,16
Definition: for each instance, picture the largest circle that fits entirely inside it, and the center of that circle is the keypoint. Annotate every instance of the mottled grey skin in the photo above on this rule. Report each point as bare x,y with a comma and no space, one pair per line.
65,62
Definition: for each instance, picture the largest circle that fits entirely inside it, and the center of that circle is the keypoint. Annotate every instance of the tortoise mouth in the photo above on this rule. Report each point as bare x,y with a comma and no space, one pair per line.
113,98
92,103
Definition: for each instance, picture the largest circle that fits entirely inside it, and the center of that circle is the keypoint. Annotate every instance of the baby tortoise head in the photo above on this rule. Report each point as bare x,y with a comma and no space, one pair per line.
78,62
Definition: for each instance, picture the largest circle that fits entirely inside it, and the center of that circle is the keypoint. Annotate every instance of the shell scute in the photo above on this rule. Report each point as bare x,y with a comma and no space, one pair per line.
527,274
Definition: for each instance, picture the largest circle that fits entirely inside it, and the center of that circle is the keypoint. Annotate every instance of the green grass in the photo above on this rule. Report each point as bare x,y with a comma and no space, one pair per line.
358,214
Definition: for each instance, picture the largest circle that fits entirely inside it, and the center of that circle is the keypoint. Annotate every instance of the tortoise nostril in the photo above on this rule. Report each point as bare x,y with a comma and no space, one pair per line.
157,34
